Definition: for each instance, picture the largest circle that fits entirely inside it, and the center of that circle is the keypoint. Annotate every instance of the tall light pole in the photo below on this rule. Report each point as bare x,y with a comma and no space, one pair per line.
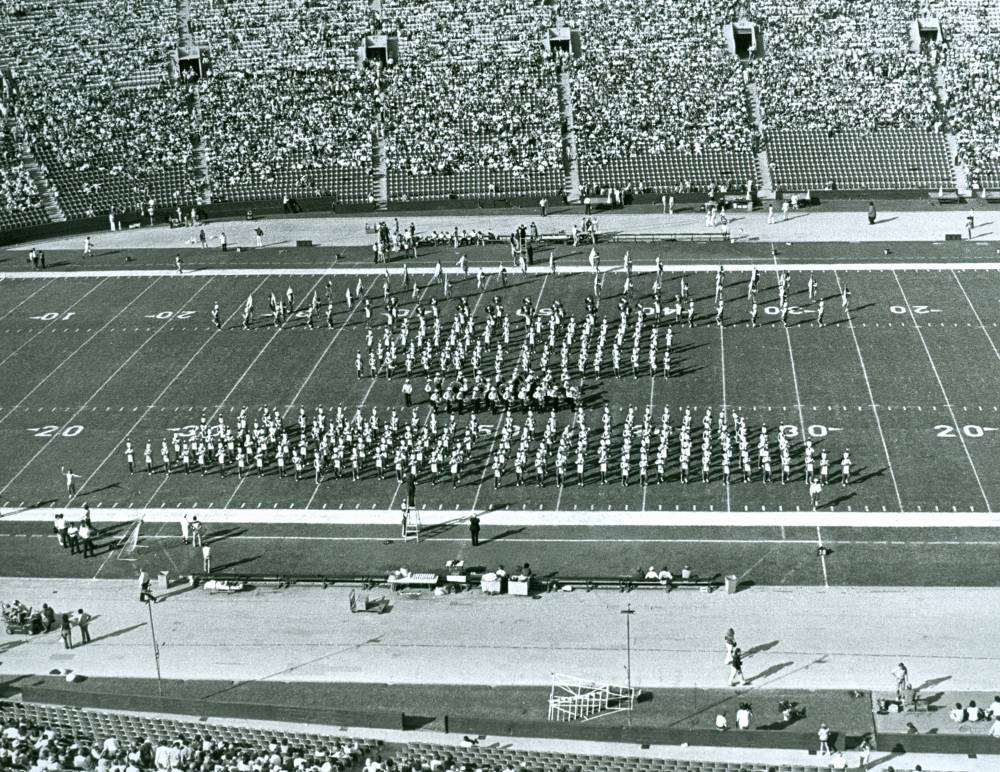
156,647
628,611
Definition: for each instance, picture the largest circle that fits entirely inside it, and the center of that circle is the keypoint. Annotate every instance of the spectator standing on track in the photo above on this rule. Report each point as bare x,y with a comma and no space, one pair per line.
970,224
196,532
88,247
730,641
824,738
73,536
736,668
87,540
70,480
66,631
178,262
902,677
206,559
474,530
865,751
872,213
258,235
203,239
59,528
223,241
186,528
83,622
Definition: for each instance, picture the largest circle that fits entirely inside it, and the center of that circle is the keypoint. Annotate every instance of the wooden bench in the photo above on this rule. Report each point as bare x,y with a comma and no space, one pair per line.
629,583
944,197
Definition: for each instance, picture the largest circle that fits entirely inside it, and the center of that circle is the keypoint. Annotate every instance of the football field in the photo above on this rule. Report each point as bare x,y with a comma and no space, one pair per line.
905,379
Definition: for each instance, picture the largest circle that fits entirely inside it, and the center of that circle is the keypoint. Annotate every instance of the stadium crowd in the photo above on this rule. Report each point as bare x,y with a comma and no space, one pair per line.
622,103
842,64
260,123
471,91
25,745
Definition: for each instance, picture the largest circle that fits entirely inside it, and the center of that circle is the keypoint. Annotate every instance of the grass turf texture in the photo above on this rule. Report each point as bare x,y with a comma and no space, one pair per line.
139,357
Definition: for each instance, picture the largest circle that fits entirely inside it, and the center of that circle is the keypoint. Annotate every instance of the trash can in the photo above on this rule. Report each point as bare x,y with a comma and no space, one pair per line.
732,582
163,580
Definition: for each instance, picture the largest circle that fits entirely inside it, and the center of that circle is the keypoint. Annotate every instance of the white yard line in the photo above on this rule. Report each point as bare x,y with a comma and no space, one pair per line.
582,268
819,543
725,402
50,324
937,376
100,388
904,521
159,396
871,397
979,321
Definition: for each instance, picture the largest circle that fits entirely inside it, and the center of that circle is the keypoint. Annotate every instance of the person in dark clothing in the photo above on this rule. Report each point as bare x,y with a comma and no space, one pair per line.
66,630
474,530
872,214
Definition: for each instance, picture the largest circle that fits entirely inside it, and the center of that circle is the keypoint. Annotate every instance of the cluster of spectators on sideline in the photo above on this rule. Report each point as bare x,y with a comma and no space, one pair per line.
842,64
27,746
472,91
654,83
972,714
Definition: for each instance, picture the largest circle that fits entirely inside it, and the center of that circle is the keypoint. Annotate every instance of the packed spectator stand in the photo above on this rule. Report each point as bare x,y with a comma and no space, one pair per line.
474,107
285,108
658,101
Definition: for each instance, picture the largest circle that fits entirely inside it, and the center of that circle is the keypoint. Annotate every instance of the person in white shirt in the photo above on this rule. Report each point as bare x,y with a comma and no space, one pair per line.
973,712
721,722
838,761
957,713
994,711
743,716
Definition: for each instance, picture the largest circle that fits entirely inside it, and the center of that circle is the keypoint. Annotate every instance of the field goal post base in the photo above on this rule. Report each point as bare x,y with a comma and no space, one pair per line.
576,699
